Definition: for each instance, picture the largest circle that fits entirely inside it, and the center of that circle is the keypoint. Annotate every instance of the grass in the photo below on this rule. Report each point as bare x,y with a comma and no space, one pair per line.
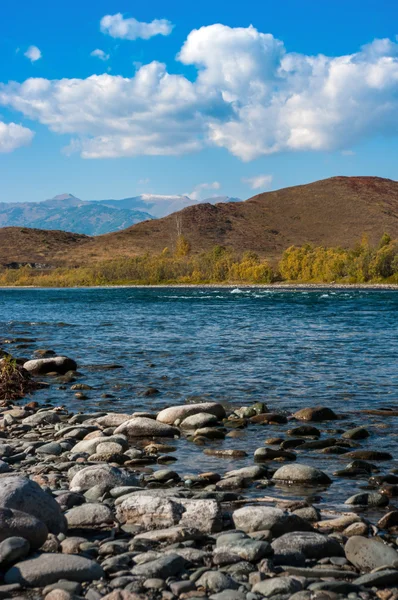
15,382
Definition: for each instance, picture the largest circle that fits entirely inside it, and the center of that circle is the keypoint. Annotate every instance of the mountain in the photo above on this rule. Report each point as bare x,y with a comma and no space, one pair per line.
161,206
68,213
331,212
93,217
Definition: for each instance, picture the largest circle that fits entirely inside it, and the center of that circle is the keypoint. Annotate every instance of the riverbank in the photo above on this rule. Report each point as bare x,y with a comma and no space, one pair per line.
230,286
124,517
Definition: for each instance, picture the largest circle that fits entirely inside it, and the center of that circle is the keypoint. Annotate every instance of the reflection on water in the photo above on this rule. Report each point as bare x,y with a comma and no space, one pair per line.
287,348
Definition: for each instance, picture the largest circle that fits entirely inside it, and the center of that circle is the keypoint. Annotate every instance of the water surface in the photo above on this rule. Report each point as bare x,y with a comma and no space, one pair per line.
287,348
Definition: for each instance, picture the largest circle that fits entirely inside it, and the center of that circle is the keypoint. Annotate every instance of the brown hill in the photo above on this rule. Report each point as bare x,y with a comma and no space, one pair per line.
331,212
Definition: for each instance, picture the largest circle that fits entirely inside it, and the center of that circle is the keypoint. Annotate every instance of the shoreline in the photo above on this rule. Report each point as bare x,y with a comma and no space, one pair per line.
270,286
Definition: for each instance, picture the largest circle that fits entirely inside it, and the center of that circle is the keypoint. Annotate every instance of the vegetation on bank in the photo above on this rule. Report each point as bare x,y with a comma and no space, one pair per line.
15,382
305,264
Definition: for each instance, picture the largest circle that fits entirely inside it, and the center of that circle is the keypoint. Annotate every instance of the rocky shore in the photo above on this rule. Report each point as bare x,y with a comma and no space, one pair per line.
96,506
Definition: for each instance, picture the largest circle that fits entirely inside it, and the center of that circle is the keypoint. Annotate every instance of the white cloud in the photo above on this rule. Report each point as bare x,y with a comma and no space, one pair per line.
130,29
202,190
258,181
33,53
13,136
98,53
250,97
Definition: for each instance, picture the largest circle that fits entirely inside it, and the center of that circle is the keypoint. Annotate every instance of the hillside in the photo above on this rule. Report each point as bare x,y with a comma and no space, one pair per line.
331,212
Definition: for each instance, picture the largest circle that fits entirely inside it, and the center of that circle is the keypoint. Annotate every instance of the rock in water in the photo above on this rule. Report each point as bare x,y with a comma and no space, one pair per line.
171,414
56,364
367,554
145,427
23,494
296,473
315,413
45,569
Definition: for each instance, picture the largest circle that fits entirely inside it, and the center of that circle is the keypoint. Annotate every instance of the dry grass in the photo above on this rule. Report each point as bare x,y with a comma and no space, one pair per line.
15,381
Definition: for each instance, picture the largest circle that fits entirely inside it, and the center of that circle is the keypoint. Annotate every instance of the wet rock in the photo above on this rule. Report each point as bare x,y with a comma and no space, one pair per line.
22,494
174,413
45,569
269,419
367,554
309,543
359,528
55,364
368,455
144,427
226,453
13,549
89,516
254,472
264,454
101,474
166,566
298,473
304,431
339,523
388,520
315,413
277,586
368,499
358,433
14,523
260,518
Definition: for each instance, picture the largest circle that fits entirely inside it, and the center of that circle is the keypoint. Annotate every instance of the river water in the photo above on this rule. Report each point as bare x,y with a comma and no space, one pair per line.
287,348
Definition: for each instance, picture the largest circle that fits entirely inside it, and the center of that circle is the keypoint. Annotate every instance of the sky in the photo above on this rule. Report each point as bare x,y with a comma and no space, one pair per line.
111,99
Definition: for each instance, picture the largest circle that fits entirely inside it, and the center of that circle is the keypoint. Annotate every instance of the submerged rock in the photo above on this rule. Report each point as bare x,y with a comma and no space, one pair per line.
315,413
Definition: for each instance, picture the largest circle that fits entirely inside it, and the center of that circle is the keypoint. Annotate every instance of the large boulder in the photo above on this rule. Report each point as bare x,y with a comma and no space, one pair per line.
145,427
173,413
55,364
14,523
152,512
22,494
315,413
301,474
259,518
42,417
367,554
45,569
101,474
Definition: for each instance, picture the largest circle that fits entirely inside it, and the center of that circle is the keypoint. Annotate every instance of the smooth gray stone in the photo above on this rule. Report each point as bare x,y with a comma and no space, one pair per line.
44,569
367,554
380,578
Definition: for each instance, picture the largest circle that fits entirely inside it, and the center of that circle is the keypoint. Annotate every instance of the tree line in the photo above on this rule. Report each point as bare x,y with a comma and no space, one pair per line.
304,264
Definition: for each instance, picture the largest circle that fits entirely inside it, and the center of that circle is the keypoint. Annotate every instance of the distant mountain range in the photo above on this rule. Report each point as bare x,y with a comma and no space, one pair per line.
95,217
333,212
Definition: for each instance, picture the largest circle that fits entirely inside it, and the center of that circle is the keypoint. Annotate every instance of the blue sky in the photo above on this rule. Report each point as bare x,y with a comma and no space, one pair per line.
190,99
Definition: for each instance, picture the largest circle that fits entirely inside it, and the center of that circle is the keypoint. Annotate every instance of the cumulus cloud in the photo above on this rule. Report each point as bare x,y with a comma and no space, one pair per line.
98,53
202,189
258,181
249,96
33,53
117,26
13,136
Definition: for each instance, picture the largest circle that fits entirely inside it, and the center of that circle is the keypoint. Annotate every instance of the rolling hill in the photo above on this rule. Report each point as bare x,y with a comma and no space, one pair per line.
331,212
